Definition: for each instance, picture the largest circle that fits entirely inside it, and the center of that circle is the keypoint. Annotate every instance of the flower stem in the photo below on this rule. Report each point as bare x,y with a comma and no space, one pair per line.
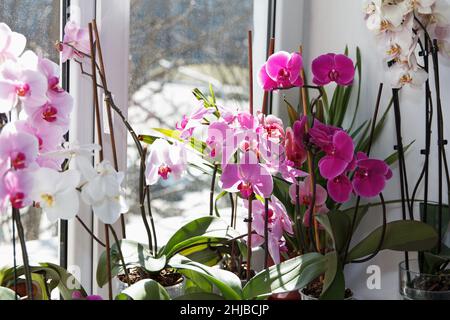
211,193
119,249
249,237
26,264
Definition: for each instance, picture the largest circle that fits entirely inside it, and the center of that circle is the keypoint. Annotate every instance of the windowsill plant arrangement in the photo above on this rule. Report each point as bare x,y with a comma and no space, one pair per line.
296,182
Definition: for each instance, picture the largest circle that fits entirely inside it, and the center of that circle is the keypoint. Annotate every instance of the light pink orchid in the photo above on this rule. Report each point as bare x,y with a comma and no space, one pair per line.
165,160
18,150
248,177
271,127
12,44
278,224
75,43
20,84
54,113
188,124
306,193
281,71
15,188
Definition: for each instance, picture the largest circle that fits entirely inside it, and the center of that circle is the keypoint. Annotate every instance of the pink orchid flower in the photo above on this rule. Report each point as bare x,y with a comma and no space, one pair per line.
271,127
75,43
295,150
370,176
77,295
278,224
281,71
49,138
15,188
339,154
18,150
188,124
218,132
165,160
21,84
340,188
319,210
333,68
306,193
248,177
55,112
12,44
51,71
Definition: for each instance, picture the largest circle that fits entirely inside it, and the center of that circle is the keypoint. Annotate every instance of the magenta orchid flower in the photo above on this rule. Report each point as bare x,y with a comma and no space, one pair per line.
333,68
165,160
77,295
12,44
18,150
15,188
248,177
281,71
339,154
75,43
306,193
370,176
20,84
278,224
295,151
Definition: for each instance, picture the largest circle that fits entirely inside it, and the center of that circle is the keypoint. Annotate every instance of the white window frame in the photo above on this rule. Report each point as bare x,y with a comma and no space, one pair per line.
113,19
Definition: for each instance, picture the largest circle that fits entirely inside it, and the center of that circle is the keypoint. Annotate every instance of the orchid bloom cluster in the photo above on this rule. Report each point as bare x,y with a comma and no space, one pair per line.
253,149
398,27
338,162
32,144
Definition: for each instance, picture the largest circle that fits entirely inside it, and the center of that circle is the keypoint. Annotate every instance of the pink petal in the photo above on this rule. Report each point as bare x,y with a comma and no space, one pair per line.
277,62
321,68
340,189
265,81
230,179
344,146
345,68
370,187
331,167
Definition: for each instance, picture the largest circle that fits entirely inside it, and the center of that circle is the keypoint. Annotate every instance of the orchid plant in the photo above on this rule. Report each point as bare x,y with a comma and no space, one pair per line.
413,35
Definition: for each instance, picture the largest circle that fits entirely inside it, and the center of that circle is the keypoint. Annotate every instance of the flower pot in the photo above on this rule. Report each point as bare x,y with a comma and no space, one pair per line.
305,296
415,285
177,290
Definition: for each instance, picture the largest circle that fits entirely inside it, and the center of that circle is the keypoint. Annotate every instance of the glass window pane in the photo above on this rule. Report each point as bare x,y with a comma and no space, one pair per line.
176,46
39,21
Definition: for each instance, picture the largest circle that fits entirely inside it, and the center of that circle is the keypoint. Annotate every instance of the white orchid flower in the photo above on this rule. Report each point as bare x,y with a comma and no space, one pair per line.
103,191
74,150
165,160
56,193
385,16
403,76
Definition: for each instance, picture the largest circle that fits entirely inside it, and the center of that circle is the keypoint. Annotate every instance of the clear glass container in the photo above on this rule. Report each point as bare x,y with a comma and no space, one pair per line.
415,285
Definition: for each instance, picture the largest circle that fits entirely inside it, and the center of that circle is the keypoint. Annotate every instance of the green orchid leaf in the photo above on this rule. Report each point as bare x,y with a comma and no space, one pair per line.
290,275
134,253
7,294
226,282
144,290
206,230
399,236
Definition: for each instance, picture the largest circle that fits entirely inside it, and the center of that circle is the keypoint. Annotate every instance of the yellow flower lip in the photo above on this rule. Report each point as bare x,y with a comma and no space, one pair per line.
48,200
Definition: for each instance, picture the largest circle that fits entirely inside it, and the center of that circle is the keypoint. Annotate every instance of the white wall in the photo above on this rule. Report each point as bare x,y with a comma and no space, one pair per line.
327,26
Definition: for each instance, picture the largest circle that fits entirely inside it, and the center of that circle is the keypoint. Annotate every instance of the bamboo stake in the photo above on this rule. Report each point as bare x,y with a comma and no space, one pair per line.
100,139
108,111
266,93
309,159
